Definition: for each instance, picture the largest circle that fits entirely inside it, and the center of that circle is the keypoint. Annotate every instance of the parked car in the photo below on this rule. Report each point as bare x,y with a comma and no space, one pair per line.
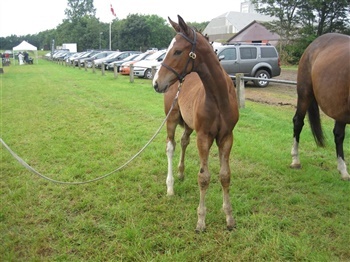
63,55
74,56
95,57
52,54
68,55
85,56
60,54
119,57
125,67
110,66
143,69
100,61
260,61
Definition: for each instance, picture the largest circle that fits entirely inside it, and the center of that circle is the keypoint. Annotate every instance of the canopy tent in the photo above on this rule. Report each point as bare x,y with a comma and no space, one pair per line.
25,46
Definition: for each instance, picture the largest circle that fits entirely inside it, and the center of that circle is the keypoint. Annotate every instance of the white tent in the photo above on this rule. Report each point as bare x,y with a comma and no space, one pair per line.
25,46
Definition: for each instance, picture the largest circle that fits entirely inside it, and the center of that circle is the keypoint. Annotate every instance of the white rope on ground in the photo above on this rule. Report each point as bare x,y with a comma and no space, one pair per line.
27,166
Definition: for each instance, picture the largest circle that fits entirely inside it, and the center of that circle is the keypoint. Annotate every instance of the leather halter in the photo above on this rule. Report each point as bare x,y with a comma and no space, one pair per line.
191,57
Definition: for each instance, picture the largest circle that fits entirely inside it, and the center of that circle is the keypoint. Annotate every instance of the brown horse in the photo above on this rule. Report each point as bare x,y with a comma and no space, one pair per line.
324,81
207,104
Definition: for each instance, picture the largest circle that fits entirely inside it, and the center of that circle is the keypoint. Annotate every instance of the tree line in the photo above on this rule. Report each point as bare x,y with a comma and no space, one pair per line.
136,32
298,23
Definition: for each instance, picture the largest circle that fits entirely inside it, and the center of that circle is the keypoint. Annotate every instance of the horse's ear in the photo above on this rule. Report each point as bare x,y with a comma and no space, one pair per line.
184,27
174,25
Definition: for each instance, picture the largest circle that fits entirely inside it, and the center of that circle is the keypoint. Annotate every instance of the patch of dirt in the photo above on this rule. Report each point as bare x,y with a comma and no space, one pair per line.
275,93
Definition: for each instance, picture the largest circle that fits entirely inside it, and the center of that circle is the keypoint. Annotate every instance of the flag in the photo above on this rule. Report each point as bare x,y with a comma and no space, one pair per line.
112,10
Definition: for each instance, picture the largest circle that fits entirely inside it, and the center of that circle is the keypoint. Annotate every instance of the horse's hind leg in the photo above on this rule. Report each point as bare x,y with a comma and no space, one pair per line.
339,135
304,101
225,176
185,140
298,123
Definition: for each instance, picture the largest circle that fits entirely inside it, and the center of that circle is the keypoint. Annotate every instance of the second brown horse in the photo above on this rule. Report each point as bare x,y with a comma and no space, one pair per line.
324,81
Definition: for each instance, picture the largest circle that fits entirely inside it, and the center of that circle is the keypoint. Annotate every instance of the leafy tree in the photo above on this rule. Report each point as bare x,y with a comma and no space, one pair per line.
299,22
79,8
312,17
135,33
286,13
142,32
324,16
45,39
199,26
160,32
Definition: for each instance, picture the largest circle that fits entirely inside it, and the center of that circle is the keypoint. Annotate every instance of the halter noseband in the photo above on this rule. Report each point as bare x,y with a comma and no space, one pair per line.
191,57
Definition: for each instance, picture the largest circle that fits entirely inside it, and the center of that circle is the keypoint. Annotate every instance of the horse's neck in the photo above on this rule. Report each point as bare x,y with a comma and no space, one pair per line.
213,76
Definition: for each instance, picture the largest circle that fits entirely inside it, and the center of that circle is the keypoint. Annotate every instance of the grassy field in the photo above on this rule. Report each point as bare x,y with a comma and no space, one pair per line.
73,125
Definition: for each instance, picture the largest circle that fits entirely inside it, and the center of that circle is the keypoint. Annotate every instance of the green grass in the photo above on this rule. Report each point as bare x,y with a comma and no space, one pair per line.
289,67
73,125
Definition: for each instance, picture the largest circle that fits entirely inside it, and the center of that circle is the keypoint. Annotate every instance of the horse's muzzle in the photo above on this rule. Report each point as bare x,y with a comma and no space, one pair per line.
158,89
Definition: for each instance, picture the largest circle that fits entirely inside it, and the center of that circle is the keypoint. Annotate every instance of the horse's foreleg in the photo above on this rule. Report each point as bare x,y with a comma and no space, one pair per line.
185,140
170,148
298,123
203,144
339,135
225,177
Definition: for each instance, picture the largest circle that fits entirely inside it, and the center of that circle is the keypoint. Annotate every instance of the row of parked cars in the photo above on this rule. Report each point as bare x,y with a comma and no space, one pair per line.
142,62
253,60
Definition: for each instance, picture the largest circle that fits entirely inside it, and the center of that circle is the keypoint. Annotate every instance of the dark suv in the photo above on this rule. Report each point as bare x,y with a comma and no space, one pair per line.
261,61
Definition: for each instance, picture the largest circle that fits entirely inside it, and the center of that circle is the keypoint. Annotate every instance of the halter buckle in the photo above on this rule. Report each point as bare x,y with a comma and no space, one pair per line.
192,55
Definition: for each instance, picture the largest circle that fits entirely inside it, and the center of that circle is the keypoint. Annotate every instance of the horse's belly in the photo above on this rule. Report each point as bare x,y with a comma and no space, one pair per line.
336,108
332,90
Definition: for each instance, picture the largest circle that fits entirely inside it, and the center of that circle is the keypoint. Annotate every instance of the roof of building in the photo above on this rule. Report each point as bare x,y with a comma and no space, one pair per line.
254,31
233,22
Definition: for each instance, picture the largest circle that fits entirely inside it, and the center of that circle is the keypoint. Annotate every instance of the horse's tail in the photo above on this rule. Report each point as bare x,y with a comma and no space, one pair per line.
315,123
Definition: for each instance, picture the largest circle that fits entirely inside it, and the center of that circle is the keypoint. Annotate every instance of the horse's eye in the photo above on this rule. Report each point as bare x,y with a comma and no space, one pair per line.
177,52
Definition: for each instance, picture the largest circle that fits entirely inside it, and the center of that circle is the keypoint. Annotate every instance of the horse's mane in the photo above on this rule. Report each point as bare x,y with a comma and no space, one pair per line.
200,31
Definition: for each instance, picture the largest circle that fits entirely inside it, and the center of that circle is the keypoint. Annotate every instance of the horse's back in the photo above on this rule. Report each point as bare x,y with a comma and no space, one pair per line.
324,71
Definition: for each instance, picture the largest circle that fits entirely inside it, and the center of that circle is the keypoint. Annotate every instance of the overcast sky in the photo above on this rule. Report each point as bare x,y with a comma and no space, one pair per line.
21,17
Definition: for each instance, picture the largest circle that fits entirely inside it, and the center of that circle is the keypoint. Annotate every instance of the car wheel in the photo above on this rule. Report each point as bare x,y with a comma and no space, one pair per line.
148,74
263,74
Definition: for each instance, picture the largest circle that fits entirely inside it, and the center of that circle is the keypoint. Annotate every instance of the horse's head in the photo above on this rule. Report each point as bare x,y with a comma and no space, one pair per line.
179,59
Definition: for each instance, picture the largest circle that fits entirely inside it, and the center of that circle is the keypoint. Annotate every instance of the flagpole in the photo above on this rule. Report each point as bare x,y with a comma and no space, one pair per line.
110,29
110,36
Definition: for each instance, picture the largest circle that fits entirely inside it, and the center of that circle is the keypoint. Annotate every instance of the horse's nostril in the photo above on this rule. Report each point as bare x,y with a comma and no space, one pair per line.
155,86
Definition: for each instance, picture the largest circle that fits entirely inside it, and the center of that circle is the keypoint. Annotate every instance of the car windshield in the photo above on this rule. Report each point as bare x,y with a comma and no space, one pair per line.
141,56
113,55
128,58
80,54
154,56
86,54
97,55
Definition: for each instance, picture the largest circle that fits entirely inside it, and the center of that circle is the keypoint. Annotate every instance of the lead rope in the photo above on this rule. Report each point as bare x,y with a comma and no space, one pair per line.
27,166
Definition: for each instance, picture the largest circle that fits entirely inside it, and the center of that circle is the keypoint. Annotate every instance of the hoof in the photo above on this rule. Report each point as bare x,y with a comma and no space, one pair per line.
345,178
200,230
170,193
295,166
231,228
